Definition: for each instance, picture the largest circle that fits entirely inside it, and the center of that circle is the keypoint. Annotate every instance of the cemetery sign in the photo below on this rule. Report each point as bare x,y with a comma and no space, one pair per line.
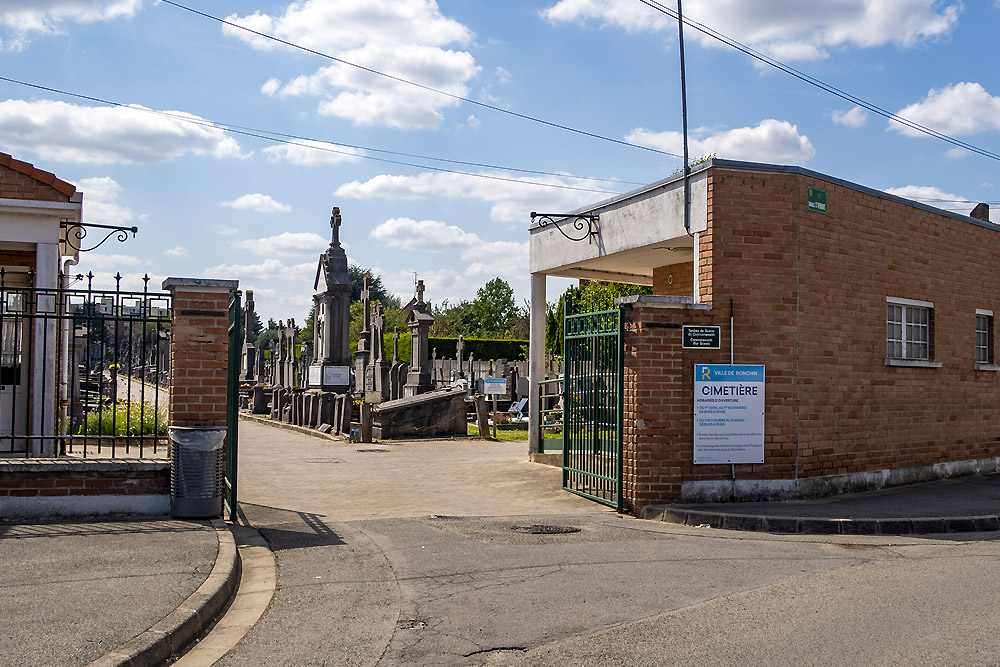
728,414
700,338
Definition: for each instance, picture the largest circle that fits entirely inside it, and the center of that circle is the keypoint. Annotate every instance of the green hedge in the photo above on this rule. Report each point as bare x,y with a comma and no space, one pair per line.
480,348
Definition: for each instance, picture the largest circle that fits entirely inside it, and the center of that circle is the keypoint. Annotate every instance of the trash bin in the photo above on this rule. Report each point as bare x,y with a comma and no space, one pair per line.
196,471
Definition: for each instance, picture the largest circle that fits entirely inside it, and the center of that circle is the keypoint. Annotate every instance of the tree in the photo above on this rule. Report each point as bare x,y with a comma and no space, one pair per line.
255,327
270,333
377,288
306,333
453,321
589,297
494,309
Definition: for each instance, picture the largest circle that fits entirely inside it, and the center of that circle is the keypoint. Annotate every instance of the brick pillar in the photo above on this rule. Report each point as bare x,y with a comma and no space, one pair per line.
199,348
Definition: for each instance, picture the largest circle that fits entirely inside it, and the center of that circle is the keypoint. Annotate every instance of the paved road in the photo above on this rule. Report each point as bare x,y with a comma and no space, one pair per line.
409,555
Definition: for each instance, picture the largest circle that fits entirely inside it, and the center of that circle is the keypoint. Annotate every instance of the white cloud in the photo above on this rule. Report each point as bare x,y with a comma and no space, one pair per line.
258,203
961,109
934,196
179,251
855,117
63,132
409,39
226,230
776,141
308,153
473,260
502,75
512,200
286,244
785,30
100,201
113,262
268,270
22,18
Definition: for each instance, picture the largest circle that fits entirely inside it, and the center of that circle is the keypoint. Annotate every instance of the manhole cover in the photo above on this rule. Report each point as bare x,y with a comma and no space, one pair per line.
372,451
324,460
541,529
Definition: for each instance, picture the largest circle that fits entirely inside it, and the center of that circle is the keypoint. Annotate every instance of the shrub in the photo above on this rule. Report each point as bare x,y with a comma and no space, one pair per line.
124,418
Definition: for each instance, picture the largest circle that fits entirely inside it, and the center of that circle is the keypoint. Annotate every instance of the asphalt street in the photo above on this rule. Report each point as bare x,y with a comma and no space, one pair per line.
426,554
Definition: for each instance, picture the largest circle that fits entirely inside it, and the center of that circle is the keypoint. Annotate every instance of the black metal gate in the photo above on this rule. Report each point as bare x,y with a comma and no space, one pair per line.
233,405
592,404
83,371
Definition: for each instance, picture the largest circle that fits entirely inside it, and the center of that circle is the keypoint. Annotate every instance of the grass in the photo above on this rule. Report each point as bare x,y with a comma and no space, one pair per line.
124,418
520,434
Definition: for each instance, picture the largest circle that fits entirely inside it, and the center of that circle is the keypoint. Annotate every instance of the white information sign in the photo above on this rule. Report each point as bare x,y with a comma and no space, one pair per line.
494,386
728,414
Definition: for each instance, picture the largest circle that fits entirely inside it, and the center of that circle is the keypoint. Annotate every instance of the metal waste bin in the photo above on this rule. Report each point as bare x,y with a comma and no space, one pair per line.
197,471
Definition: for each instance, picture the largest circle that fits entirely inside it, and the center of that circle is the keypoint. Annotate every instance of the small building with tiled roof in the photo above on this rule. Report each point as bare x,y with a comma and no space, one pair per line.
36,212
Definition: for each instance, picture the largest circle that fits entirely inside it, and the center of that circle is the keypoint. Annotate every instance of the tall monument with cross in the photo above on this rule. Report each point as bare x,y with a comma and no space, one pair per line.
361,356
331,362
420,319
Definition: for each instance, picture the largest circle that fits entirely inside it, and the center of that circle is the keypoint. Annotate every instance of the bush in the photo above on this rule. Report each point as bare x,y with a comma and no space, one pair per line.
124,418
481,348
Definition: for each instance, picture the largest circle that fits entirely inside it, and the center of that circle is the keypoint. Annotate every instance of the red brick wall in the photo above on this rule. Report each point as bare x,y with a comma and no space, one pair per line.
79,481
808,292
199,344
674,280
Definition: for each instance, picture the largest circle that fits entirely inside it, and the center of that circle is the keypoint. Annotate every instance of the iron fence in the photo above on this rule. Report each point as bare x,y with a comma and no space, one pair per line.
83,371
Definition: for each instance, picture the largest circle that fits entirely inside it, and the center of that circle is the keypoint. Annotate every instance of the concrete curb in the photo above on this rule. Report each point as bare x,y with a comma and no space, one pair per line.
169,636
822,525
305,430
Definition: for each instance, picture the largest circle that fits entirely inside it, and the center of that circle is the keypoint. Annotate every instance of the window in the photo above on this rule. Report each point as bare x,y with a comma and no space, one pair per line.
909,333
984,339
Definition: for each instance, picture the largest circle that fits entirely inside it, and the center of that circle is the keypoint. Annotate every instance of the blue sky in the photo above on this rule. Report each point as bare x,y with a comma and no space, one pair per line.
214,203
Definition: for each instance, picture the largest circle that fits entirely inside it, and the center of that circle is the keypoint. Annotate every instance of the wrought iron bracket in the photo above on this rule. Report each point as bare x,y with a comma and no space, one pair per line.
587,223
77,231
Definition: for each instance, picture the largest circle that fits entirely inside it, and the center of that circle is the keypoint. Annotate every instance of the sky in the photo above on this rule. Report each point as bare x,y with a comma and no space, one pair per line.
228,149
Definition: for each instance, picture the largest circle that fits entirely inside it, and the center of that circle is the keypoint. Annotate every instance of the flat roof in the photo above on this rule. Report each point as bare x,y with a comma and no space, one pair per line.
779,169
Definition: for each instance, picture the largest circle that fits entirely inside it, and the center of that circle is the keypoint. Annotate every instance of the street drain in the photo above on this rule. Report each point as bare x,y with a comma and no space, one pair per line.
542,529
331,460
372,451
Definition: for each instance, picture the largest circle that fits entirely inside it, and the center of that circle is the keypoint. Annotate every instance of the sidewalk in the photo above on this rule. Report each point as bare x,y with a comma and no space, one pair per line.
114,592
958,505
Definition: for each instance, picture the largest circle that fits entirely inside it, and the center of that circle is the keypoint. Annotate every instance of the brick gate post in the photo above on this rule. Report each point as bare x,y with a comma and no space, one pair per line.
199,344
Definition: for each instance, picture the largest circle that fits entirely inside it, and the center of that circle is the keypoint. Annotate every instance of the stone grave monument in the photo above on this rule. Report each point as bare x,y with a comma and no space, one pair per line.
330,359
420,319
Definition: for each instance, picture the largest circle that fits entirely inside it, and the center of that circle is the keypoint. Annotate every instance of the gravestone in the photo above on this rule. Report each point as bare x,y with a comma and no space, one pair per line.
248,359
330,360
396,378
379,365
459,348
361,356
420,319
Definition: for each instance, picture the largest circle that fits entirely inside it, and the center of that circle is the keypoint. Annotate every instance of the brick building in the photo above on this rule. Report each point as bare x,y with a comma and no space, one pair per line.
36,208
872,315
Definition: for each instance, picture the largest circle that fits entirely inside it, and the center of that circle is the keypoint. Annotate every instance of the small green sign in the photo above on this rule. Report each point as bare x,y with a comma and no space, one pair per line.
817,200
700,338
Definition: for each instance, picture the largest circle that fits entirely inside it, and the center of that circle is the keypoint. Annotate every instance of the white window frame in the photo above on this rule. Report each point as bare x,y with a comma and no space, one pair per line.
987,364
908,308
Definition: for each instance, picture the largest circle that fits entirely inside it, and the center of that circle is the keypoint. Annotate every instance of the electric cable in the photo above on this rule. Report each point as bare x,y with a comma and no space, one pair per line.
283,138
408,82
813,81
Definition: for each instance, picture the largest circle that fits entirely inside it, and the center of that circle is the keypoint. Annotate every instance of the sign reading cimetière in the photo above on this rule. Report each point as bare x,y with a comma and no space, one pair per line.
700,338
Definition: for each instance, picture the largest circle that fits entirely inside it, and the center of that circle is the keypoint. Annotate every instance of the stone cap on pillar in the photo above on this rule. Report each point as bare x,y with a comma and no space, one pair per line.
201,284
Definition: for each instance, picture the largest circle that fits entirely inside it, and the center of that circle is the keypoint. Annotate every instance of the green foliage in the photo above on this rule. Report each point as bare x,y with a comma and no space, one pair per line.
694,163
586,298
306,332
481,348
124,418
255,327
449,320
378,290
494,309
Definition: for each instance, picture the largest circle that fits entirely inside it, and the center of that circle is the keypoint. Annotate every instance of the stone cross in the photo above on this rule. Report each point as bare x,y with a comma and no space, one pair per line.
366,294
335,222
248,312
420,291
395,345
459,348
378,329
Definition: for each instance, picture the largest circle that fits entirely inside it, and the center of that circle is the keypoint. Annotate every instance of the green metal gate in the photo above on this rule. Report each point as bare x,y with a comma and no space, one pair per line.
233,403
592,404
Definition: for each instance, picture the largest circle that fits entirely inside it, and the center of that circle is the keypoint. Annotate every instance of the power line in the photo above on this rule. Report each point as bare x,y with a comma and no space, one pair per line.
421,86
295,140
813,81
